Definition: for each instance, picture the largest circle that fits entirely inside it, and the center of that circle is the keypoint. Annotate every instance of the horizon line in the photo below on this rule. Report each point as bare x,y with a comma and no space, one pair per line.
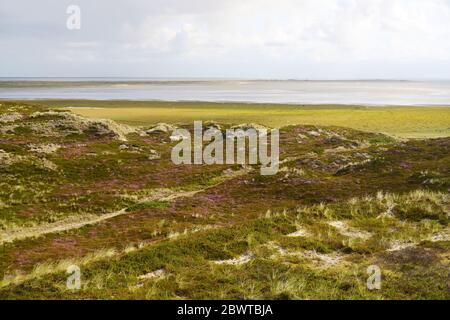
26,78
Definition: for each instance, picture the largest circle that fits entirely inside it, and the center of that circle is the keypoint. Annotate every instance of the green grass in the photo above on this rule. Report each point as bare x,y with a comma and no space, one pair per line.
405,122
148,204
222,231
190,268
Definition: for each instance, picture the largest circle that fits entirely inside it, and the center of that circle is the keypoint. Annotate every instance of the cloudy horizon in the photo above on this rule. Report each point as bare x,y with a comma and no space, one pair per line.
255,39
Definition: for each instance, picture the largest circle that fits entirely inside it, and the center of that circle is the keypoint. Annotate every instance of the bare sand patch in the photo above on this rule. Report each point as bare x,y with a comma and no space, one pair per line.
348,231
242,259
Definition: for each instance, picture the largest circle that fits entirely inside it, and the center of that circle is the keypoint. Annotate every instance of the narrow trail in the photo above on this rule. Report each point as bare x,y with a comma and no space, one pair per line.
58,226
76,222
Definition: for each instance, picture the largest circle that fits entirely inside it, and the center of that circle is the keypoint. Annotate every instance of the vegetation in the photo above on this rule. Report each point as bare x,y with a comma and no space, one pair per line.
403,122
106,197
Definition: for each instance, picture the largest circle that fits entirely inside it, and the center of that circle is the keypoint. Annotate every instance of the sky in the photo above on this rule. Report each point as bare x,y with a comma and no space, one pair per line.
257,39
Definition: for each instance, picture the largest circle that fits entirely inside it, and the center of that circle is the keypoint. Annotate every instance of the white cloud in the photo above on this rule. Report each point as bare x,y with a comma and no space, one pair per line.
252,38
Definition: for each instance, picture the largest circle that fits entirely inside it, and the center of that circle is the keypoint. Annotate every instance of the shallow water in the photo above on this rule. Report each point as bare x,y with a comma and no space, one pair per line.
270,91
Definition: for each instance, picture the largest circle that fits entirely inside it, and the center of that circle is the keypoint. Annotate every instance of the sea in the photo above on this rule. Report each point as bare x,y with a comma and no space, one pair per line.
347,92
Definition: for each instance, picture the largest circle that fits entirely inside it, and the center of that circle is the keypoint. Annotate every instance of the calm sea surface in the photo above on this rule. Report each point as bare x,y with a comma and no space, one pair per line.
271,91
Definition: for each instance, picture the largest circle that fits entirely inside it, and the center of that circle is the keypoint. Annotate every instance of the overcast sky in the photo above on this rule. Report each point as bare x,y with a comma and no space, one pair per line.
302,39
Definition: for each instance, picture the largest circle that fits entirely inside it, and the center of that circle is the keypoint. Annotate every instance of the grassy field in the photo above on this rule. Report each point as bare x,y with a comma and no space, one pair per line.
403,122
108,199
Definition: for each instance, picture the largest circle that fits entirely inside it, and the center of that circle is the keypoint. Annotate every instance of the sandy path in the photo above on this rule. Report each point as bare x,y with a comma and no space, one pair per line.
76,222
